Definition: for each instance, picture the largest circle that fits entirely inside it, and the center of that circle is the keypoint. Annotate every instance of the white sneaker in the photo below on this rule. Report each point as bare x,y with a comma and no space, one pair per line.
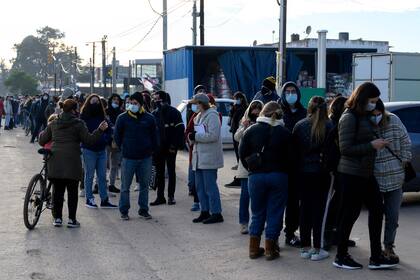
244,229
82,193
306,254
319,255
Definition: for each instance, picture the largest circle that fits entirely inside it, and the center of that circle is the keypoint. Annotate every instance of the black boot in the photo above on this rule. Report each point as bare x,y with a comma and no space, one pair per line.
214,219
204,215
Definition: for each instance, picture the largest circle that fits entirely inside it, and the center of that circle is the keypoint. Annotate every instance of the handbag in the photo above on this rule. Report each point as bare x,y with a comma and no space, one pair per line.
255,160
409,171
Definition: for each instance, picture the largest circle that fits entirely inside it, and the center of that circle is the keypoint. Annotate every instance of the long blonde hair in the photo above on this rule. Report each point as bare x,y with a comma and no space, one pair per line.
318,115
272,110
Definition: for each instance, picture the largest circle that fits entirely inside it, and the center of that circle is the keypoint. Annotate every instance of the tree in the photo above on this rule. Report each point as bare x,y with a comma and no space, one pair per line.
19,82
42,55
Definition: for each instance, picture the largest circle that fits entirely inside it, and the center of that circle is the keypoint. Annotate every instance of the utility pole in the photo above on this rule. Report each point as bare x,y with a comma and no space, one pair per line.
281,67
194,25
104,93
114,71
92,70
165,24
202,22
75,67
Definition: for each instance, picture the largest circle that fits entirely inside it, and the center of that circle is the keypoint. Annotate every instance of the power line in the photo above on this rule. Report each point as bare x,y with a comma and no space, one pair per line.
145,36
151,7
230,18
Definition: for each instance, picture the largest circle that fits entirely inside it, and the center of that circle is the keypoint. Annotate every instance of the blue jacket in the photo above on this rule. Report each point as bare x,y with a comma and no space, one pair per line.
136,135
92,124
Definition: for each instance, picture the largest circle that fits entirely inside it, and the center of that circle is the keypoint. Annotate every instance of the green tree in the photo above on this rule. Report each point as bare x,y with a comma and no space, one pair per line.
42,55
19,82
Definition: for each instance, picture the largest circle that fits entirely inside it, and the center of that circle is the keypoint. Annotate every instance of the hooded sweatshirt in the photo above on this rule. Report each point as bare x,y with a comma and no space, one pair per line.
291,117
112,112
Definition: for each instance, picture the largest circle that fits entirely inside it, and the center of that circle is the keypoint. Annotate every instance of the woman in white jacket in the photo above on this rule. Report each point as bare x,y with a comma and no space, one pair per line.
249,118
8,111
207,158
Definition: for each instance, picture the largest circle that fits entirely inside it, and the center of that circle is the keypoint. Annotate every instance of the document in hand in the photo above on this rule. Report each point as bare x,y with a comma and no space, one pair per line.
199,129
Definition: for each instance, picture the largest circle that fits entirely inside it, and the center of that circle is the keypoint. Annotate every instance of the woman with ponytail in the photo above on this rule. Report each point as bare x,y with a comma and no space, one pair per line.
264,151
309,136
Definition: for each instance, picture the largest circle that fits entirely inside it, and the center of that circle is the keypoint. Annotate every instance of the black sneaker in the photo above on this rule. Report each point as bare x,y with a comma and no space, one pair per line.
214,219
57,222
144,214
108,205
293,241
73,224
383,262
171,201
95,189
203,216
125,217
235,184
347,263
158,201
114,189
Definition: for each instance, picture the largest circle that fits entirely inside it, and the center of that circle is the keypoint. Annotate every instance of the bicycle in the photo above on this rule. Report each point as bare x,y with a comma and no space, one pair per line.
38,193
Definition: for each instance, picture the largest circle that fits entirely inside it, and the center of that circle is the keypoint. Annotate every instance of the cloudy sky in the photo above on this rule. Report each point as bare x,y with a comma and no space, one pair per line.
228,22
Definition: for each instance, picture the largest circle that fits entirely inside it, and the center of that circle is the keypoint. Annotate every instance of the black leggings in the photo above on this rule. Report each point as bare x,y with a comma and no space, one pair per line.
59,187
314,192
357,191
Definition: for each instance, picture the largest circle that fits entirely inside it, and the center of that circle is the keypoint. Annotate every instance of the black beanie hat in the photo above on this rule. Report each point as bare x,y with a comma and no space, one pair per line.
138,97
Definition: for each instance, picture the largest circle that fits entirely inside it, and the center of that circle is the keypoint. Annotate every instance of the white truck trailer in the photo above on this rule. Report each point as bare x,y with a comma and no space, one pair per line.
397,75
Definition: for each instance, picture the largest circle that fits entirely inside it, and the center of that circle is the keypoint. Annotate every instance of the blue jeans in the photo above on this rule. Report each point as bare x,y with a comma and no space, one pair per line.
268,194
95,161
244,203
208,191
143,169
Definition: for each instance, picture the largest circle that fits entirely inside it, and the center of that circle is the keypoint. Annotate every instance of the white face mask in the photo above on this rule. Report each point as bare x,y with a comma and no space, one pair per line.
115,105
194,108
377,119
370,107
134,108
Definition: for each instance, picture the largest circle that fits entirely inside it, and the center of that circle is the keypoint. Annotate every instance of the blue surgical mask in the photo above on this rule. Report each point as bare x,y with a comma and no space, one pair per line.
127,106
115,105
376,119
134,108
194,108
291,98
238,102
370,107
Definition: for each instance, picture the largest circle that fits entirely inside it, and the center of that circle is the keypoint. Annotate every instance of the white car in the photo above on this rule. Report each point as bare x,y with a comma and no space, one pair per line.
223,106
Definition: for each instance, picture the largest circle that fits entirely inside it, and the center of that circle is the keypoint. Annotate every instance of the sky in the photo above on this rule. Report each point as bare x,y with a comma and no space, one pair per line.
129,23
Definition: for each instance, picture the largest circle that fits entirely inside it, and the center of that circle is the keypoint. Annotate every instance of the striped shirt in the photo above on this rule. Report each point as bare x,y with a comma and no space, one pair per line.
389,171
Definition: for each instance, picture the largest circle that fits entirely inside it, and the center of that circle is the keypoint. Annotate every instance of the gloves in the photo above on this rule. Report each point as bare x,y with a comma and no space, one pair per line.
191,136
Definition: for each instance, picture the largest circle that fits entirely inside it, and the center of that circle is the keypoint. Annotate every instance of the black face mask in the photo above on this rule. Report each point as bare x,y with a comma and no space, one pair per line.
96,109
265,90
253,117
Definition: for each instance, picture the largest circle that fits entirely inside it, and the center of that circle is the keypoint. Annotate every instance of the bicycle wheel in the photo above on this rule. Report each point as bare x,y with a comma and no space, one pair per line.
34,199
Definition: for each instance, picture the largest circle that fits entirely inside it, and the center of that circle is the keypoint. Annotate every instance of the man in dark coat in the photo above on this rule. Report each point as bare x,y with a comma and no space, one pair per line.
171,129
293,112
39,115
268,91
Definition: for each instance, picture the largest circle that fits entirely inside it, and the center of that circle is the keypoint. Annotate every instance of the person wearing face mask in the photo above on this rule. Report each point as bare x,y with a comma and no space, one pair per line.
66,133
114,155
171,128
250,117
207,158
235,116
293,112
39,115
389,169
358,148
268,91
94,156
137,136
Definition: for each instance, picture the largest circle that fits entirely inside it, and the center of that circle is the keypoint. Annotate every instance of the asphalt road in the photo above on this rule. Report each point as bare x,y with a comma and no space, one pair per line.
167,247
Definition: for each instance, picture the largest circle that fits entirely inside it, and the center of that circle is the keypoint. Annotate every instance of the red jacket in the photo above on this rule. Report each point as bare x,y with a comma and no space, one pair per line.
1,108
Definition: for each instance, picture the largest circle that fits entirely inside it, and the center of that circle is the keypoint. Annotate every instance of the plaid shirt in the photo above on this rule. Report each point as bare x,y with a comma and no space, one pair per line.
389,171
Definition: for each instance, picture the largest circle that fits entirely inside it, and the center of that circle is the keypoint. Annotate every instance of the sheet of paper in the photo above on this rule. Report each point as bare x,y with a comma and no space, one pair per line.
199,129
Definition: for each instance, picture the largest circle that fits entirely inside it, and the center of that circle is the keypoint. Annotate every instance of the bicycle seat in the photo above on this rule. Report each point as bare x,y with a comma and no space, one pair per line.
44,152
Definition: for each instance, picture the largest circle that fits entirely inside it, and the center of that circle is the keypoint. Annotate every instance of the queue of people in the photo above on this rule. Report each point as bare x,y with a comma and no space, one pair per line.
298,169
